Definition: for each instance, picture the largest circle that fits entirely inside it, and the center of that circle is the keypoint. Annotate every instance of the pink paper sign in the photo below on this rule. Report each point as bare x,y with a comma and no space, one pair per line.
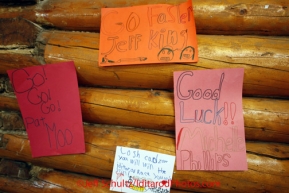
49,101
210,132
158,33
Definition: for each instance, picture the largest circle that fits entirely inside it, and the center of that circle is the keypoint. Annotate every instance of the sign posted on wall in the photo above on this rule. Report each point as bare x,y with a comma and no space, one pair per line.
136,170
157,33
48,98
209,120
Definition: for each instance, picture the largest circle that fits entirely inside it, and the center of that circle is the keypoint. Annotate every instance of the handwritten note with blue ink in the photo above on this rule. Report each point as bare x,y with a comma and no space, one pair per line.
136,170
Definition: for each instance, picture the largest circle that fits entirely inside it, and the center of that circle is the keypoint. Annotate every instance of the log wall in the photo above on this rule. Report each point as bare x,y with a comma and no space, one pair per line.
133,105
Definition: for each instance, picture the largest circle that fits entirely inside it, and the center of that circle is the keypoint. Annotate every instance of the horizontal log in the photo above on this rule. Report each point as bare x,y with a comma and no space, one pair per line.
12,185
265,119
49,180
57,182
266,172
266,17
268,149
20,10
13,59
264,59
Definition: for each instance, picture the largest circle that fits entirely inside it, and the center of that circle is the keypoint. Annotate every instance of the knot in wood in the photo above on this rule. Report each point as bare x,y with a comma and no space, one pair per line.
243,11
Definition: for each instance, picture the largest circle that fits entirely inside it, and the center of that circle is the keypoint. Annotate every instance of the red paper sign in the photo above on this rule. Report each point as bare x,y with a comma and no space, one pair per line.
157,33
210,132
48,97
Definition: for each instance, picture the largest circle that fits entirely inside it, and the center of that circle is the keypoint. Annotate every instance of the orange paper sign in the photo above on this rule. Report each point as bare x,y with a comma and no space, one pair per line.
148,34
49,101
210,132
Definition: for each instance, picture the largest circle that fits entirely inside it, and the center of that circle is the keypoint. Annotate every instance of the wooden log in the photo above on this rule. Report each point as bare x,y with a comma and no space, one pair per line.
19,10
264,59
49,180
244,17
12,185
77,182
265,119
14,59
268,170
55,181
266,17
21,177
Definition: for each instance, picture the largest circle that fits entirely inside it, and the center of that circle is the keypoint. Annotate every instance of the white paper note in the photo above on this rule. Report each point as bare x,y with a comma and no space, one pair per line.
136,170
